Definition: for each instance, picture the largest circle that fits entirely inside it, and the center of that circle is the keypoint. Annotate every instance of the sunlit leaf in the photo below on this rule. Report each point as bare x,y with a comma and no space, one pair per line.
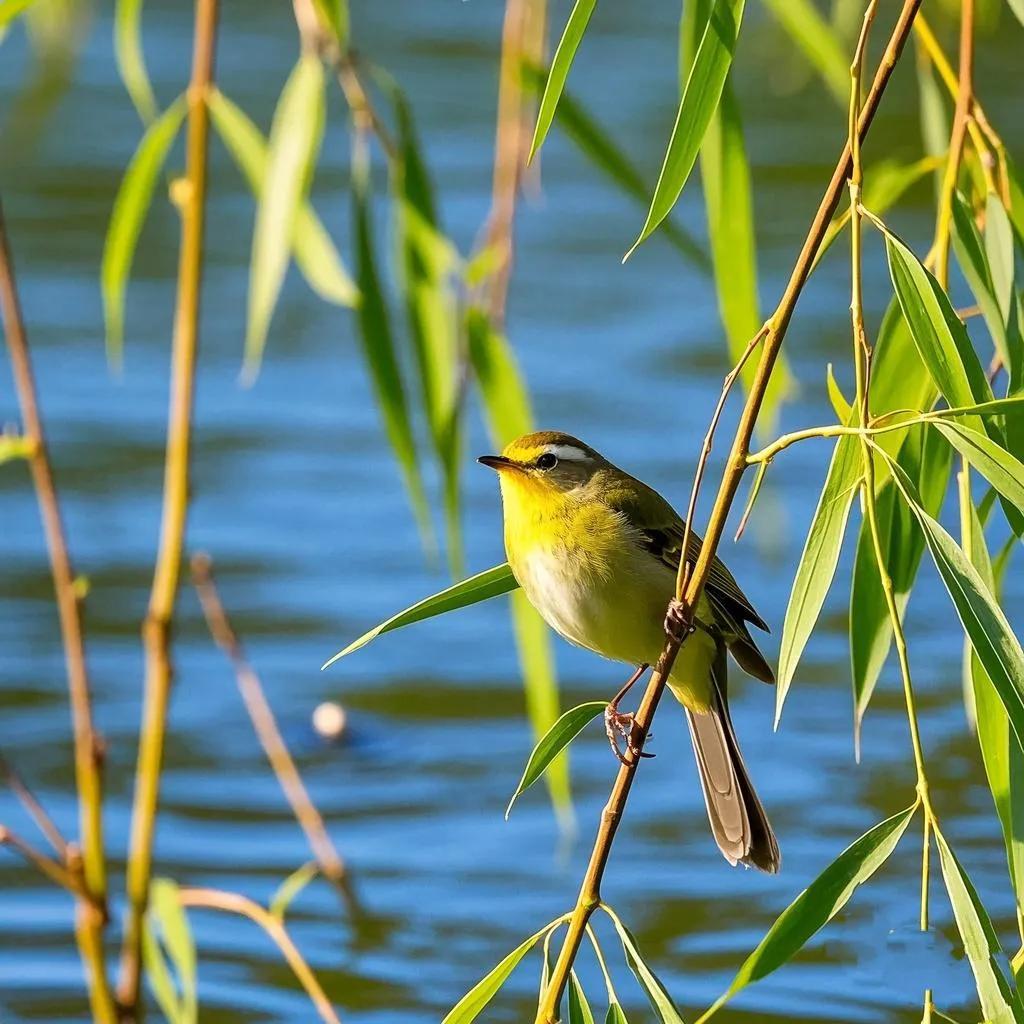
1017,6
1000,1004
994,463
130,62
579,1008
166,917
559,736
595,143
291,887
315,253
818,562
377,338
481,587
818,42
469,1006
292,149
615,1015
984,622
506,400
660,1000
10,9
559,71
130,208
999,251
700,98
12,446
1016,209
840,404
820,901
428,262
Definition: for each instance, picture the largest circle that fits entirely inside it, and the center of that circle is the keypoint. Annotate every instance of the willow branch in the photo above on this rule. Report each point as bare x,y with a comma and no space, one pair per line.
33,807
45,865
736,463
265,726
234,903
167,571
87,745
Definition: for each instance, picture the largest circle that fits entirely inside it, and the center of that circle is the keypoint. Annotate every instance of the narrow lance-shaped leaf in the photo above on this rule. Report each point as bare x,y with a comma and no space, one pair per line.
992,461
559,70
315,254
166,912
481,587
559,736
700,97
819,43
818,562
469,1006
615,1015
999,251
130,62
729,202
820,901
579,1008
378,343
291,887
295,136
595,144
986,626
130,208
10,9
660,1000
1000,1004
508,415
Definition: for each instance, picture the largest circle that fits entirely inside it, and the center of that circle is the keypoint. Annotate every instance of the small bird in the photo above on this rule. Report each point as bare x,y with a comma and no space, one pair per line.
596,552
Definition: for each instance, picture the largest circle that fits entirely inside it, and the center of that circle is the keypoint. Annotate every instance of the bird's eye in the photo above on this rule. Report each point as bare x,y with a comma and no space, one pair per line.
547,461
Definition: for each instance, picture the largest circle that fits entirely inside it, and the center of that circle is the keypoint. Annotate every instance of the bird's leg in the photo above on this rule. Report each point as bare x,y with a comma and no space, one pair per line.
678,622
617,724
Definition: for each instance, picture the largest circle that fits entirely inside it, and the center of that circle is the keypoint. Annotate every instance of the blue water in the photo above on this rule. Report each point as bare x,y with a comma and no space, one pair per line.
297,498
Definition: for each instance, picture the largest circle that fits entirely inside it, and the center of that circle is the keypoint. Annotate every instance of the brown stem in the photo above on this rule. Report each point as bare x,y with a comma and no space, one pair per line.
35,809
265,725
45,865
157,626
234,903
87,745
589,896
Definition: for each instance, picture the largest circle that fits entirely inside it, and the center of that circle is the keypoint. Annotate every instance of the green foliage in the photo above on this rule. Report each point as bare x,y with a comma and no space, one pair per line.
291,887
579,1008
819,43
167,932
291,156
130,62
126,219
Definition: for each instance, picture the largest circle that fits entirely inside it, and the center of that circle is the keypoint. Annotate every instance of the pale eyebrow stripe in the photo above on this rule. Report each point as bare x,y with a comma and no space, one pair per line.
568,452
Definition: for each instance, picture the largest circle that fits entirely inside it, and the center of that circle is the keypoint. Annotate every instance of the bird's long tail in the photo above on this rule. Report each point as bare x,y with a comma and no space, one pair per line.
738,820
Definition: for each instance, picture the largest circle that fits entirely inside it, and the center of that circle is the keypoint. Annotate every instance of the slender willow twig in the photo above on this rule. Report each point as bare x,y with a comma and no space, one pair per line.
35,809
91,915
235,903
45,865
265,726
167,571
589,896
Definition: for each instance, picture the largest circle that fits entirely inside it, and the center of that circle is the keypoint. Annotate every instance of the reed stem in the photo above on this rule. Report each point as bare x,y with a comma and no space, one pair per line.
167,571
736,463
88,749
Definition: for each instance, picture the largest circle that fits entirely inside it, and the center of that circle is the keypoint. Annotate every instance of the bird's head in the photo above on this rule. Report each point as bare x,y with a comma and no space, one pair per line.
545,465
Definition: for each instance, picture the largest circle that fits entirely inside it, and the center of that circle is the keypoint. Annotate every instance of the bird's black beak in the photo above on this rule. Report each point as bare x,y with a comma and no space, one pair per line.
497,462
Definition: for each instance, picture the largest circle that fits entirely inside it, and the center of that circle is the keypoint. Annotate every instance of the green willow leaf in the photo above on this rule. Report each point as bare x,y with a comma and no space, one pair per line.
999,250
660,1000
481,587
505,397
1016,209
840,405
818,562
294,142
10,9
130,62
559,71
595,144
1017,6
700,99
428,263
579,1008
469,1006
1000,1004
315,254
291,887
820,902
556,739
166,915
158,975
378,342
14,447
819,43
983,620
1004,472
615,1015
131,205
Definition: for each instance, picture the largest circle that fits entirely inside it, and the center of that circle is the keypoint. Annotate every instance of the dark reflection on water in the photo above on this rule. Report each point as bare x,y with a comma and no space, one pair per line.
298,500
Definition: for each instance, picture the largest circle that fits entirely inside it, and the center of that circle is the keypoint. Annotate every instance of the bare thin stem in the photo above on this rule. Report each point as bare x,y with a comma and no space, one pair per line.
34,808
235,903
88,748
44,864
265,726
163,595
589,895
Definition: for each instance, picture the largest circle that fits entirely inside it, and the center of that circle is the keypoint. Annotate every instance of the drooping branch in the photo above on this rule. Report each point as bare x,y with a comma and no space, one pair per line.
736,463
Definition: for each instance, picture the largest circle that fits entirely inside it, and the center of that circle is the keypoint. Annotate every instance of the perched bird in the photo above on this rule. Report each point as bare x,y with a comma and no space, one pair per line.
596,552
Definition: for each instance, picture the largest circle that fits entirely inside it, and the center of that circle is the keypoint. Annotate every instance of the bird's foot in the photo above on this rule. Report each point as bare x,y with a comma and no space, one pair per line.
678,622
619,724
